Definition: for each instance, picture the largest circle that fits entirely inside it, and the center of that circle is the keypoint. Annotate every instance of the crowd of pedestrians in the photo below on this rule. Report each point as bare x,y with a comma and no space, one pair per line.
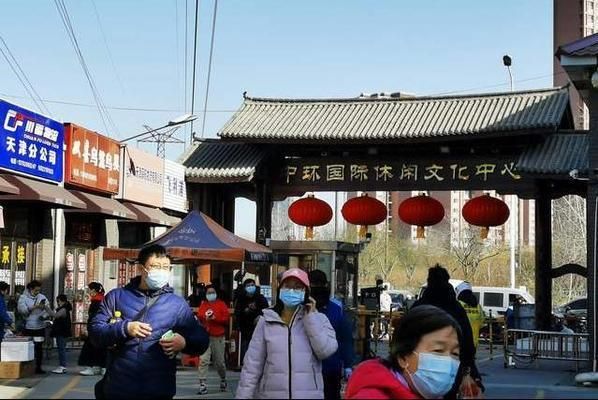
301,347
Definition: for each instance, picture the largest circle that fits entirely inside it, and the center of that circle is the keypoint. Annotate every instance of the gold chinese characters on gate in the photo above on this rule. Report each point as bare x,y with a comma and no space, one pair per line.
400,172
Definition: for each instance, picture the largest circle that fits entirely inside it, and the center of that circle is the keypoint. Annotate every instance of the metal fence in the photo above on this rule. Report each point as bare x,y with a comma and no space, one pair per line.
528,346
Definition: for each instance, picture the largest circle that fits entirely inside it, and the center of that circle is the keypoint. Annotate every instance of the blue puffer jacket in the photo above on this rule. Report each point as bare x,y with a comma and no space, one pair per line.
138,368
344,355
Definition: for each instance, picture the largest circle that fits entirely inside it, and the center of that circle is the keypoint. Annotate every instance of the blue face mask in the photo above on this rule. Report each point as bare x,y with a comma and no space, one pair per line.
250,290
292,297
157,278
435,375
211,296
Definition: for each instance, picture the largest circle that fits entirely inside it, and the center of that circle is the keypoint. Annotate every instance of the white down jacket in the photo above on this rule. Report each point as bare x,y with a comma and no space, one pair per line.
284,361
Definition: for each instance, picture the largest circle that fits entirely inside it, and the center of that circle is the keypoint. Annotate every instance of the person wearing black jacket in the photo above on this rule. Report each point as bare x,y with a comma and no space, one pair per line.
440,293
61,330
248,307
93,357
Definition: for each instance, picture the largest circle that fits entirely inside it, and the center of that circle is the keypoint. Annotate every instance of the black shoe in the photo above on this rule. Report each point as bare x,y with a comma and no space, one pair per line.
39,371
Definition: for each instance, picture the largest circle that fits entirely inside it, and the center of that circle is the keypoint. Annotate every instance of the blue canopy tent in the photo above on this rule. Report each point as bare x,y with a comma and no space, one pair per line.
199,238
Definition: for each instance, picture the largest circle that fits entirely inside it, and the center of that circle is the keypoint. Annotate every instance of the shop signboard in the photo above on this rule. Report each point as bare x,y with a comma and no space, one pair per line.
143,176
30,143
92,160
175,191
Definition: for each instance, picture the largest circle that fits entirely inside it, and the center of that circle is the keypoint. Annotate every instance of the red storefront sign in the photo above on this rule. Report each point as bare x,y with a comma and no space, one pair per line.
92,160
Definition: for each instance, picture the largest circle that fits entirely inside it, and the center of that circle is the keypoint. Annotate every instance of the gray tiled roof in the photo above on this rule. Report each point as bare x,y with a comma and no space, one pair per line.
364,119
557,155
586,46
213,161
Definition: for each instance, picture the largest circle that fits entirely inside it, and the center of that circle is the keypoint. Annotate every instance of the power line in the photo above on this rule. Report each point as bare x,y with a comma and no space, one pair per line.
194,66
205,104
117,108
95,10
66,20
496,85
22,77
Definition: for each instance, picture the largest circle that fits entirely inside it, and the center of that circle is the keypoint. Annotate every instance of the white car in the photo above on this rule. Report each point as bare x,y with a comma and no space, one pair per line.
494,300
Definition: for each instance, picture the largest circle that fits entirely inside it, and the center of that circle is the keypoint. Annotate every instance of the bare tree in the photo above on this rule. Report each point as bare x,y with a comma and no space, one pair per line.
470,252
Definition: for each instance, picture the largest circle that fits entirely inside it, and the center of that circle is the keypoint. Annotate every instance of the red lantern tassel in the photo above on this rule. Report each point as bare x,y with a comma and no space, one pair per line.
421,232
484,232
363,230
309,232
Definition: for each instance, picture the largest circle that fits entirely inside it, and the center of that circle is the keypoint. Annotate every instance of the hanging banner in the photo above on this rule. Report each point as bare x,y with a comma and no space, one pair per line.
30,143
175,190
92,160
143,176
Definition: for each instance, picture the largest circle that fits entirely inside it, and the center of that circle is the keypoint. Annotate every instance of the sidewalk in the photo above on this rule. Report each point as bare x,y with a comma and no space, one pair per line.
74,386
542,380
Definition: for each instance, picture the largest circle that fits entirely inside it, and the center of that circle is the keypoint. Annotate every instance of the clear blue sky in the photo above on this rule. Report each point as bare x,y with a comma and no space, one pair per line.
269,48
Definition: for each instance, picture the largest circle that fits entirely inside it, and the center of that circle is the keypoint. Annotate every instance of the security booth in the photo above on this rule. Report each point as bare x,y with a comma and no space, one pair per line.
338,260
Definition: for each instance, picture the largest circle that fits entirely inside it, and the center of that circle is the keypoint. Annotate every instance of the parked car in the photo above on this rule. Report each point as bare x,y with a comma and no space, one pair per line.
400,299
573,314
574,308
494,300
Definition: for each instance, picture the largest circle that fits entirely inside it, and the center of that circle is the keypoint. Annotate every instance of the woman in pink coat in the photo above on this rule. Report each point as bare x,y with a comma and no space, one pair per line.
290,340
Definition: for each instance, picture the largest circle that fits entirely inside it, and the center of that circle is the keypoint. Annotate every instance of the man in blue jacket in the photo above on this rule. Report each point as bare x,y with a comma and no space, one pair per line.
141,362
340,362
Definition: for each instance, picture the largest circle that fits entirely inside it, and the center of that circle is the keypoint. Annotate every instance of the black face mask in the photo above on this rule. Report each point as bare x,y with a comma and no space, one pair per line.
321,295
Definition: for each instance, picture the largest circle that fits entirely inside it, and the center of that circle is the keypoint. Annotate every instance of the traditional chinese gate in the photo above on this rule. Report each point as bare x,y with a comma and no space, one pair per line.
519,143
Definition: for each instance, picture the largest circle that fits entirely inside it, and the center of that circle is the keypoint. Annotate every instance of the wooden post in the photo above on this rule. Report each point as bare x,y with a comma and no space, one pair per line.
263,215
591,218
543,273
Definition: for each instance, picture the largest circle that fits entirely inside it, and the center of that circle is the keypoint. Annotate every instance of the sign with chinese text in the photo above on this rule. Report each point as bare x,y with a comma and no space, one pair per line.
30,143
5,267
399,174
143,176
92,160
175,191
21,263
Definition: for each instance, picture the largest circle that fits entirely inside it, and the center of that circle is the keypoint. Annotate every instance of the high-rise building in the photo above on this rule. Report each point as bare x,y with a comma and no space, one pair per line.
573,19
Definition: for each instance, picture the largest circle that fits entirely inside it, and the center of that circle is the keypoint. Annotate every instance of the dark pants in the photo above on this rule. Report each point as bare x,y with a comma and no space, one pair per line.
245,339
38,347
61,344
332,385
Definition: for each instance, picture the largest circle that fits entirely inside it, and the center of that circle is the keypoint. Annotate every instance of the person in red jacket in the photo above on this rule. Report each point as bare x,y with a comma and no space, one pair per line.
214,315
422,364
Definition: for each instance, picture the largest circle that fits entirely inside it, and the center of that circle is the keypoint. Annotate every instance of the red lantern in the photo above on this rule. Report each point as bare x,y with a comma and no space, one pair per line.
421,211
485,211
310,212
364,211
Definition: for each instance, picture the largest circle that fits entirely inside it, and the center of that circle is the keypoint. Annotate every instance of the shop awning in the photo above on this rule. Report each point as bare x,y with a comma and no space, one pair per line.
102,205
32,190
6,187
151,215
198,238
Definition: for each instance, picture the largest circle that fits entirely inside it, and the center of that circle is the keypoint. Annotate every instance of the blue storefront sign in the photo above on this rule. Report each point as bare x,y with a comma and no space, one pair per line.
30,143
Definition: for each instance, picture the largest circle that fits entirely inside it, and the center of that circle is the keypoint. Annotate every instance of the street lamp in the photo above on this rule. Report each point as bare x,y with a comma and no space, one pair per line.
514,223
183,119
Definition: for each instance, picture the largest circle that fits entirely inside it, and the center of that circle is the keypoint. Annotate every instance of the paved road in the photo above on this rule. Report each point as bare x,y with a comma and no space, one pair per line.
544,380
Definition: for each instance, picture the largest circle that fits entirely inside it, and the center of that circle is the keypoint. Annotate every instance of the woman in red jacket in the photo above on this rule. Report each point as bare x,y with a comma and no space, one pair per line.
214,316
423,361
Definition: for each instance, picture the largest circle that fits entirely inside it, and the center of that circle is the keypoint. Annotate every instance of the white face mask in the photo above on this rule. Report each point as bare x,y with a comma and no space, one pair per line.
157,278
